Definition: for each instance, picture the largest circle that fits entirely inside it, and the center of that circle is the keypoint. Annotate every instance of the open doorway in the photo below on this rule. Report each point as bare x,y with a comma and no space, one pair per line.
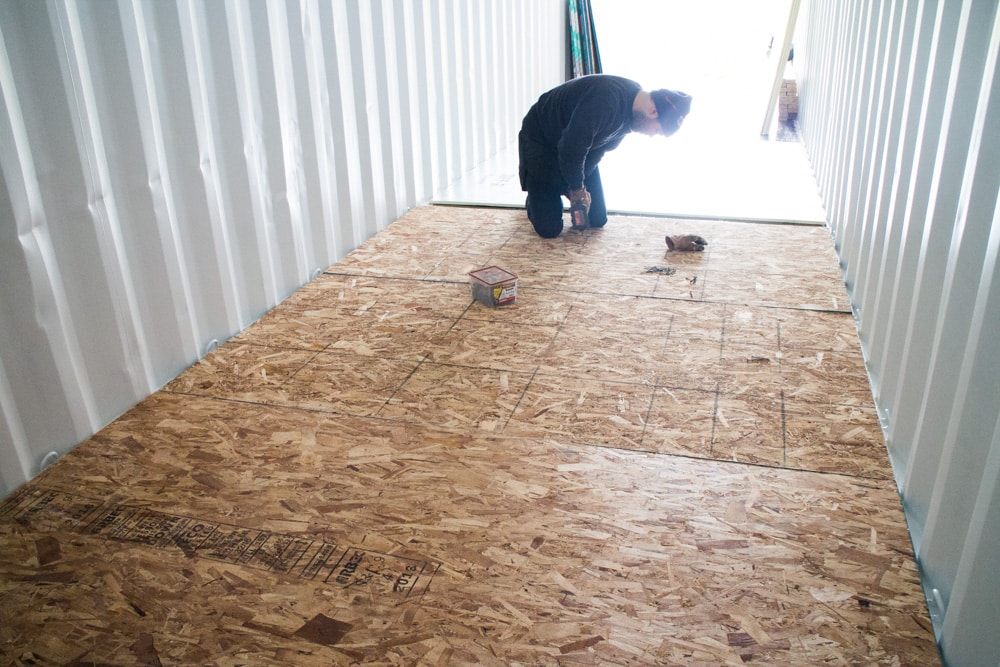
722,52
725,54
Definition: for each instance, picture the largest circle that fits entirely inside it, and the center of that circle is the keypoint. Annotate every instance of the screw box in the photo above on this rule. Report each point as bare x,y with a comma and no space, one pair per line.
493,286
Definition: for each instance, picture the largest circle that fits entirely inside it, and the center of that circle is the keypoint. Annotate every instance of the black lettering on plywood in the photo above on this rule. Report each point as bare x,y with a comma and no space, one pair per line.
293,555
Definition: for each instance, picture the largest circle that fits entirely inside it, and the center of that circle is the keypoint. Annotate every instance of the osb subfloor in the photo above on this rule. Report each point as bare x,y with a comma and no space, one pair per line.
622,468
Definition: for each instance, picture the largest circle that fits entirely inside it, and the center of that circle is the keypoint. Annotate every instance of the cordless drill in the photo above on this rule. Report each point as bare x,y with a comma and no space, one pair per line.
578,215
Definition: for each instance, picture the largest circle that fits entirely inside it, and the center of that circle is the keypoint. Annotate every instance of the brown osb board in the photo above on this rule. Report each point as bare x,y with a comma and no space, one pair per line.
621,468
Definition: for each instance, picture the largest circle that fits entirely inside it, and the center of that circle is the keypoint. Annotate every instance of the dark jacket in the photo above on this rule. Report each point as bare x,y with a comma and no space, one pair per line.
570,128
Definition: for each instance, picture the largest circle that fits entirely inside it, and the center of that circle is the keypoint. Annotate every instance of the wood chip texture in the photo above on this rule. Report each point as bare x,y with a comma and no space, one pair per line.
620,468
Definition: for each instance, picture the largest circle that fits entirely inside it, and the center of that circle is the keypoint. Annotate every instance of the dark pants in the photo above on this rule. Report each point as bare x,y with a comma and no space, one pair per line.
545,204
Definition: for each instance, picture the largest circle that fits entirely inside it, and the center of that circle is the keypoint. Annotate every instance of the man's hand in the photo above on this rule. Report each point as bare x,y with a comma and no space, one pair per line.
686,242
580,196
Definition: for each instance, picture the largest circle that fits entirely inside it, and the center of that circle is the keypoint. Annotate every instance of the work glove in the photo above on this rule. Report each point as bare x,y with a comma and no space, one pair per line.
686,242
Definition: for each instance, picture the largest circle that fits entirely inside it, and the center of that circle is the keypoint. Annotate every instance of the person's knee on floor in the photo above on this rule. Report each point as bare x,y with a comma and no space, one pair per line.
545,211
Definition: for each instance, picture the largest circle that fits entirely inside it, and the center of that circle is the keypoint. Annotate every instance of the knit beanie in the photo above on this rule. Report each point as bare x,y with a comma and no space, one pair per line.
671,106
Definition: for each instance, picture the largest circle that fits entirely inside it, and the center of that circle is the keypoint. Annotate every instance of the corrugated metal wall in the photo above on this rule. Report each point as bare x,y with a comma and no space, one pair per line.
900,113
174,169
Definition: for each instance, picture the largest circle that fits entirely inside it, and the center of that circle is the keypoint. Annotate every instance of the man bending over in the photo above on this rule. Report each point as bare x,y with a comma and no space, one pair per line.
570,128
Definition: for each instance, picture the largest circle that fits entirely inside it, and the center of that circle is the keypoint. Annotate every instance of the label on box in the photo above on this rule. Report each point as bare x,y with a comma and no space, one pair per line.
504,294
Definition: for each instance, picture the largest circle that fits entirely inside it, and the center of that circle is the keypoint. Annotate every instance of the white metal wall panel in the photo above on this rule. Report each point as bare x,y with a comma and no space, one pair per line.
914,195
174,169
